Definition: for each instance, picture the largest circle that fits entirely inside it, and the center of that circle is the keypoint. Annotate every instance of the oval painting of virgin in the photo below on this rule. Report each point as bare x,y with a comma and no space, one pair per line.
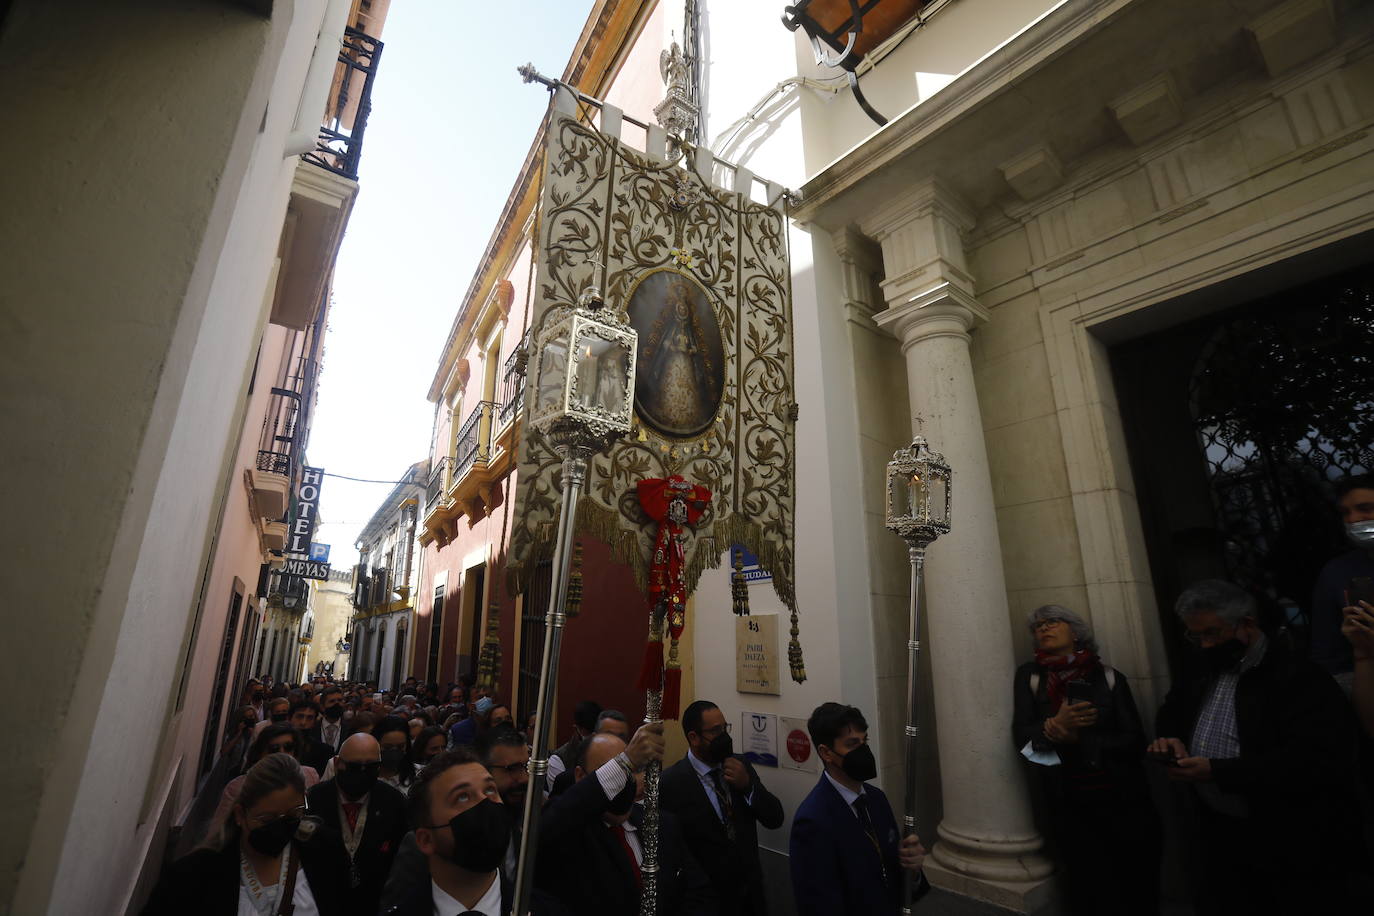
680,374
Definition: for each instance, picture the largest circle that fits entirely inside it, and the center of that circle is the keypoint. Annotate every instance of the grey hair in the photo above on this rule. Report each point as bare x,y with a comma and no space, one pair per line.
1229,602
1082,633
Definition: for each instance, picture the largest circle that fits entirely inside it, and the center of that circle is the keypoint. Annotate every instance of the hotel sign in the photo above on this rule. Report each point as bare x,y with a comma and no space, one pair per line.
305,569
307,508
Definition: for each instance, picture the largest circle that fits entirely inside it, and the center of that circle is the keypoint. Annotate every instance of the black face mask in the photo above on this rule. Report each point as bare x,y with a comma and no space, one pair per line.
278,717
720,747
480,837
355,782
1224,656
859,764
623,802
271,839
392,758
333,713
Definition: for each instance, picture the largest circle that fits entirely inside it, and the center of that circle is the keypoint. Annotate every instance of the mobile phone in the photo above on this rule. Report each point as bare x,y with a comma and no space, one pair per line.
1079,692
1165,759
1360,588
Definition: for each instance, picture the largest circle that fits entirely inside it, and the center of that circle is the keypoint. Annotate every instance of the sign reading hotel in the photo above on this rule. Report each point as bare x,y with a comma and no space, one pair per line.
756,654
307,508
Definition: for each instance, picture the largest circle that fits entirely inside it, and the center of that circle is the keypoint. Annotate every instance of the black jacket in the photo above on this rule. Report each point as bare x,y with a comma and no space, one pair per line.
1107,757
207,881
1296,767
316,753
733,867
383,831
582,866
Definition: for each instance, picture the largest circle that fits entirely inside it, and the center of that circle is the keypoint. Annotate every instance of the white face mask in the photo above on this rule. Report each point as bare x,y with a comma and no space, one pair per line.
1361,533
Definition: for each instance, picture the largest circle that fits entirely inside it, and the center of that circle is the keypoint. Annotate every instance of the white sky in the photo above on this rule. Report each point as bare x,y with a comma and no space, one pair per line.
451,123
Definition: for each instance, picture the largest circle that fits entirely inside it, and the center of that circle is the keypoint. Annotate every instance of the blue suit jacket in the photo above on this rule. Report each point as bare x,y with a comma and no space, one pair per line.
835,868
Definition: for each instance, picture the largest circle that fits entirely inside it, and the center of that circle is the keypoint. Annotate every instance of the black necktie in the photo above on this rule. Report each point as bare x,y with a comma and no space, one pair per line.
727,813
861,808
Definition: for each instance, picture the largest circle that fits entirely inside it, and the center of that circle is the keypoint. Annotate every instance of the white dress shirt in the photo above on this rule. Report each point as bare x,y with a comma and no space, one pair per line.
704,771
445,905
303,898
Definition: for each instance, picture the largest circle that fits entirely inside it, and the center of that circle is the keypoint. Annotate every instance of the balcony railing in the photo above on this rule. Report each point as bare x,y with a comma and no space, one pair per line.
434,493
473,443
337,149
274,462
513,384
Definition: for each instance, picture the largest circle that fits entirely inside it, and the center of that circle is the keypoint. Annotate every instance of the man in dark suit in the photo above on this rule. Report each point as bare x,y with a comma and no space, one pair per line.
847,854
590,855
367,817
720,800
305,718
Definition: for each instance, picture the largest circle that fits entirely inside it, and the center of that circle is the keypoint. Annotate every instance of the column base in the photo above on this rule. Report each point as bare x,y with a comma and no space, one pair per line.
1031,897
1009,872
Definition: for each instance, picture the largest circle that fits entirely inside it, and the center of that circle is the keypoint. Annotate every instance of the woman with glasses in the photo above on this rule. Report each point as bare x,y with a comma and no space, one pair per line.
274,739
262,860
1076,726
398,766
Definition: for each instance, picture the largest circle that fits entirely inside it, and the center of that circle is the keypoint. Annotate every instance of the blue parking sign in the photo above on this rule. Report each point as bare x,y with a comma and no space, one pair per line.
319,553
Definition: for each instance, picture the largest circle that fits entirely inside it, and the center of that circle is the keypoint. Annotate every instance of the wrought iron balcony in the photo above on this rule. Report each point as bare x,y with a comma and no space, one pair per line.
513,383
274,462
473,443
434,493
338,149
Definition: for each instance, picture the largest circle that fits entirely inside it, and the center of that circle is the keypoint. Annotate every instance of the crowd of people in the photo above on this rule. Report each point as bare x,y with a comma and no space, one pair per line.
340,799
336,798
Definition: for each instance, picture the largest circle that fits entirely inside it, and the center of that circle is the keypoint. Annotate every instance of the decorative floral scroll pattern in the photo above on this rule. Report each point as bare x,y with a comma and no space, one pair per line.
611,215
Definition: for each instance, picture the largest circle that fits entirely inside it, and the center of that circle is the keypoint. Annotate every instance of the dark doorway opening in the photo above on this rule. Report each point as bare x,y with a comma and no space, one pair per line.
534,608
436,629
1238,424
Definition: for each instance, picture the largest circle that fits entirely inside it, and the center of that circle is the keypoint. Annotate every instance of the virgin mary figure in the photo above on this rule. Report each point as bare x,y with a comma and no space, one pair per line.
681,372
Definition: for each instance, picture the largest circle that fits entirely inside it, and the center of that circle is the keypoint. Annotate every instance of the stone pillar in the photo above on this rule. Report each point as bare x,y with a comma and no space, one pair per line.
987,845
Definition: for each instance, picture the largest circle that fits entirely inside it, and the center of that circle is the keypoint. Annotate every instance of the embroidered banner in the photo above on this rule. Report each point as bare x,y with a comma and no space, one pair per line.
703,275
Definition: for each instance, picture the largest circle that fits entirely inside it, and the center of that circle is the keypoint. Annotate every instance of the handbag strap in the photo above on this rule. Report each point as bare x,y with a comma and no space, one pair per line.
286,904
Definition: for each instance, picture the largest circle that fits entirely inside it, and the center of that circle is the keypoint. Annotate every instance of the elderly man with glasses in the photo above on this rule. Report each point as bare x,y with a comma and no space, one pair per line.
1266,742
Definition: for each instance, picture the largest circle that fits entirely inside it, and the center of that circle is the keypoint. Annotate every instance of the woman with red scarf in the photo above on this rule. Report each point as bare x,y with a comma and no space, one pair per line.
1076,726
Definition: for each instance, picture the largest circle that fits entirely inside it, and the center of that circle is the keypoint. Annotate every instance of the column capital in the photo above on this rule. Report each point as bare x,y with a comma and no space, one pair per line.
944,310
860,262
925,198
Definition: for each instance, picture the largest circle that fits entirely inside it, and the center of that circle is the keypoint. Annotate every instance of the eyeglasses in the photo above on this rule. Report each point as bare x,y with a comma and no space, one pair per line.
260,820
1048,622
282,748
367,766
510,768
1211,634
712,732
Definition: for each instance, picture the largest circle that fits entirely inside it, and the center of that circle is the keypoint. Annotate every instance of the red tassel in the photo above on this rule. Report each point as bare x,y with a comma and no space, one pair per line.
672,693
651,669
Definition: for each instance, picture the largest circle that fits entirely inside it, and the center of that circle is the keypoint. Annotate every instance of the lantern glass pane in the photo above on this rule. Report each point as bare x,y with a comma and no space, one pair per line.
553,366
898,496
603,370
938,497
918,495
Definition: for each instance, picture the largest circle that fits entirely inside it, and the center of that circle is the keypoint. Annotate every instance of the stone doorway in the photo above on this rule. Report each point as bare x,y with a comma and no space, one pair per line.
1237,424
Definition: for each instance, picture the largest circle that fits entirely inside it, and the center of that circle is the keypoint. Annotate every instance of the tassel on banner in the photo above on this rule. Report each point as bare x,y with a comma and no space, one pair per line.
651,669
794,652
672,685
739,589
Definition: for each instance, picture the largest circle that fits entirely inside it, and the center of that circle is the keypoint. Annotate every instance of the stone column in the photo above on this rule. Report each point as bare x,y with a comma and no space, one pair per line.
987,845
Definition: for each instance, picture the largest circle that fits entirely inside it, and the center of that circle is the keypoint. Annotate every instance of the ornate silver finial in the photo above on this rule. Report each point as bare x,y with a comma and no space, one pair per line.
676,113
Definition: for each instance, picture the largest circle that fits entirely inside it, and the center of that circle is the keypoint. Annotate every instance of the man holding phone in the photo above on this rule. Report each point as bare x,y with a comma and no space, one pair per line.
1345,581
1266,741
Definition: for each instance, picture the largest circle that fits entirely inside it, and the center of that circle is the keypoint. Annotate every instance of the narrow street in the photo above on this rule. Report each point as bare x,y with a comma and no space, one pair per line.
689,457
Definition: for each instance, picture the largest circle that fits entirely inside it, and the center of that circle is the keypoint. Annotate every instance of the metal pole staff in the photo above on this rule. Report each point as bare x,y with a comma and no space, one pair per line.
575,453
917,551
653,715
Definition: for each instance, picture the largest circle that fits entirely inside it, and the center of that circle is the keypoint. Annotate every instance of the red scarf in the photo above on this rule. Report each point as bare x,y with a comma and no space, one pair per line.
1065,668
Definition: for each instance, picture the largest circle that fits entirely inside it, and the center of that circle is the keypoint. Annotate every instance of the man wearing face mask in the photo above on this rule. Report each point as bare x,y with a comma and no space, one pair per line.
720,800
1266,740
331,729
590,854
847,854
1345,580
366,817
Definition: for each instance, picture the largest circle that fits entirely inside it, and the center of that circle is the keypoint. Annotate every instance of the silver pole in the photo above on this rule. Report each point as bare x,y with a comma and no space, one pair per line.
575,454
653,715
917,552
